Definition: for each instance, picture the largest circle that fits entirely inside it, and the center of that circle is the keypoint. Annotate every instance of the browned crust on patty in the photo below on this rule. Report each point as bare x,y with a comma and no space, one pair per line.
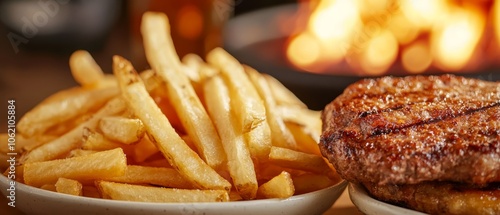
415,129
440,197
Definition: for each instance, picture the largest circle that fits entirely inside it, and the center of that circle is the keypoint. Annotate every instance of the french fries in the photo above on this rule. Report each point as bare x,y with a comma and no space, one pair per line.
71,140
62,107
239,161
280,186
190,131
128,192
162,133
281,136
121,129
69,186
105,164
161,55
84,69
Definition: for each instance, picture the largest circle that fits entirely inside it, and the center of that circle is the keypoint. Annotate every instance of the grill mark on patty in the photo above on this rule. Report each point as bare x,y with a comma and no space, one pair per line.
379,130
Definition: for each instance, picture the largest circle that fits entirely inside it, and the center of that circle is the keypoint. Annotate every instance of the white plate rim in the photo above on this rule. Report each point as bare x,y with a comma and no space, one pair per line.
191,208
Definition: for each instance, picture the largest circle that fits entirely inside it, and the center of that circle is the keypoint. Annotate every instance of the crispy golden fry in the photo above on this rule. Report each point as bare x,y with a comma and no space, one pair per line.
192,63
280,186
105,164
161,55
144,149
239,162
128,192
251,111
61,107
298,160
310,182
282,95
259,141
249,108
166,177
305,142
280,135
84,69
309,119
204,70
71,140
189,164
69,186
121,129
95,141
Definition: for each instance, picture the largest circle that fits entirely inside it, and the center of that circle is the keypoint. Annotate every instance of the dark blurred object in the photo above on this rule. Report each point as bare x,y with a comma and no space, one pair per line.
244,6
63,24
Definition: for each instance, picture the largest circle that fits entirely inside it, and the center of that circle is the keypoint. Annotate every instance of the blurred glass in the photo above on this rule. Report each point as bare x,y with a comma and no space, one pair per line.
196,25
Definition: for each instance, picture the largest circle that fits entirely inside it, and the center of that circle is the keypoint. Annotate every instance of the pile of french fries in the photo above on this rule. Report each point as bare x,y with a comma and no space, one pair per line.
187,130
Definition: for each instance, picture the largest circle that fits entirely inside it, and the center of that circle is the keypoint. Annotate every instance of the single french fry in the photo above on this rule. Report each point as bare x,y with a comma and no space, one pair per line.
259,141
69,186
139,193
166,177
105,164
71,140
280,135
61,107
304,138
84,69
280,186
282,95
239,161
251,111
309,119
161,132
191,63
121,129
144,149
161,55
95,141
298,160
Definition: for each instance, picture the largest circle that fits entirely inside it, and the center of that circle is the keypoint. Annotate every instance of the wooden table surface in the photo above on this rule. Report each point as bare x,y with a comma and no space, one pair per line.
343,206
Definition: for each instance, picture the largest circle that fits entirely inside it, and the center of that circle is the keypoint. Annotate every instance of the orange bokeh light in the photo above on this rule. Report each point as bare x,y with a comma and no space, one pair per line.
372,35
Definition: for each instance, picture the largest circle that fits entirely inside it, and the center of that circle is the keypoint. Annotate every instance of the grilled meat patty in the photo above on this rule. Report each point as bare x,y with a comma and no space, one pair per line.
414,129
441,197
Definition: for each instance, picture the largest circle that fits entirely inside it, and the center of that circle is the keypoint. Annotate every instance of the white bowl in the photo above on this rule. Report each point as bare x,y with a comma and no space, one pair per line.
33,200
370,206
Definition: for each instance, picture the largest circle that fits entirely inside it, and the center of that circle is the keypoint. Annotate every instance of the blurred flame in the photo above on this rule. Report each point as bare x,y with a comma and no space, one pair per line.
370,35
416,58
380,53
304,50
454,42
